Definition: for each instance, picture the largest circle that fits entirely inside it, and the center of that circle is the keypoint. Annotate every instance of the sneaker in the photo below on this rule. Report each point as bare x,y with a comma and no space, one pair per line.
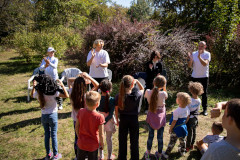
58,156
49,156
183,153
112,157
147,155
60,107
204,112
146,112
158,155
164,154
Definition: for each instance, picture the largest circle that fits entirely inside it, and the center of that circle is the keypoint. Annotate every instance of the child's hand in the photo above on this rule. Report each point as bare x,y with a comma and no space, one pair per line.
101,146
59,82
215,112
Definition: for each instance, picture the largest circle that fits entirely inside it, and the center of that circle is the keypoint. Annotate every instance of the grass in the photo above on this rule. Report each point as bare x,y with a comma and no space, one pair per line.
22,136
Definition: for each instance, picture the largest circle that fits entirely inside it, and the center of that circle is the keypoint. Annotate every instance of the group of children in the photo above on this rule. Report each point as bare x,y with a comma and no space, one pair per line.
93,116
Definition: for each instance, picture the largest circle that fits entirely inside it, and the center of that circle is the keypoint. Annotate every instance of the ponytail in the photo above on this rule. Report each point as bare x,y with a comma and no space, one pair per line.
121,97
106,86
153,100
106,106
159,82
126,83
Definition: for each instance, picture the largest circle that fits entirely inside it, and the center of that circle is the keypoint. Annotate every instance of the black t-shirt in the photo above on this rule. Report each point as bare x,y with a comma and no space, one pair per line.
131,102
152,73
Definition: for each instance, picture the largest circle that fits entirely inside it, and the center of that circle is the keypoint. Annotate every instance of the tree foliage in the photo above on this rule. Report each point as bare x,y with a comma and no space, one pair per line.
130,45
140,10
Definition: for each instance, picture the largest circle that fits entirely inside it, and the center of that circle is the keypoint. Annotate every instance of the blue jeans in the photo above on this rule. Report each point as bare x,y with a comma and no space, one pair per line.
159,138
50,125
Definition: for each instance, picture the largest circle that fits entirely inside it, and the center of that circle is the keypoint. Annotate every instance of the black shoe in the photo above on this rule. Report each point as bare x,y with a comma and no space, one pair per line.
204,112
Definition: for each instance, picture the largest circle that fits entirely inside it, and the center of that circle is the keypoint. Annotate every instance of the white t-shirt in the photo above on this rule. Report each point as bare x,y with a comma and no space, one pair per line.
194,105
101,57
200,71
221,150
212,138
180,113
162,95
51,70
50,103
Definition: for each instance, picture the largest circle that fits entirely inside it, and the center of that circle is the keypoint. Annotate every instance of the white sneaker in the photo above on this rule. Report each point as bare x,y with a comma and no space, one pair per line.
60,107
164,155
146,112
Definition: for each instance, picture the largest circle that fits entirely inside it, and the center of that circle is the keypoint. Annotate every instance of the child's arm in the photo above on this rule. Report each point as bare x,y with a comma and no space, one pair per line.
101,135
93,81
70,82
172,126
116,115
141,88
33,90
65,95
216,112
187,119
77,128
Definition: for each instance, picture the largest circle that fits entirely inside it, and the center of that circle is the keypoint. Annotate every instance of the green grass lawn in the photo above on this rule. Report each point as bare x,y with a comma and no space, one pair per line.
22,136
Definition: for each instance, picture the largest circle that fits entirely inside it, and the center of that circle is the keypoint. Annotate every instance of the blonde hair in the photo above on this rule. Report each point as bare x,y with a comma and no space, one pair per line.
195,88
98,42
159,82
183,98
202,42
92,98
126,83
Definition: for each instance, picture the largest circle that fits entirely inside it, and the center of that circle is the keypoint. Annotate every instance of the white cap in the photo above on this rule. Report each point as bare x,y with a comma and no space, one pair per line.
51,49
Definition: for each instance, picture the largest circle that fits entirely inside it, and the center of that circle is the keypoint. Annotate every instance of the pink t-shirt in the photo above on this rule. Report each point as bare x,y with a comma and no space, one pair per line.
89,122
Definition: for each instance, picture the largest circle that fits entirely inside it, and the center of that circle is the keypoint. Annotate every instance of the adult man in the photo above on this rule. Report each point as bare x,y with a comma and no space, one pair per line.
228,148
98,60
199,61
49,66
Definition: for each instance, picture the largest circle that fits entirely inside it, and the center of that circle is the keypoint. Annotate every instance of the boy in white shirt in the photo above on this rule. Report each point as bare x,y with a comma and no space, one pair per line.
178,128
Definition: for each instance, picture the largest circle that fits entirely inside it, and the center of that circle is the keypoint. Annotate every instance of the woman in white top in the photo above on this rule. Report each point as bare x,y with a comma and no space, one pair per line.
98,60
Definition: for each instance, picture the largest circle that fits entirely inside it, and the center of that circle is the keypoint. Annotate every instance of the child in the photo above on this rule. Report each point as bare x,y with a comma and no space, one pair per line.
156,117
46,94
229,148
127,105
77,90
107,107
178,128
89,128
217,129
196,90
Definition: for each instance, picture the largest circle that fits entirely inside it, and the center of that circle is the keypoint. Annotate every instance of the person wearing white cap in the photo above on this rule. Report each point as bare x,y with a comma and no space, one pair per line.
49,66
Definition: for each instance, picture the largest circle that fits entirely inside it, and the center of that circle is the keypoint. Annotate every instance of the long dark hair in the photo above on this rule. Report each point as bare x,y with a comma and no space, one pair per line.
106,86
78,91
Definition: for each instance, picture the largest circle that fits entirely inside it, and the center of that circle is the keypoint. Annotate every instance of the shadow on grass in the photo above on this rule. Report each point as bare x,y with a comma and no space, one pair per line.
17,99
19,111
34,121
194,155
16,67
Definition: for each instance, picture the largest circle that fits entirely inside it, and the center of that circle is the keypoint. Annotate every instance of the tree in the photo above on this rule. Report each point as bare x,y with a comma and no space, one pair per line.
140,10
